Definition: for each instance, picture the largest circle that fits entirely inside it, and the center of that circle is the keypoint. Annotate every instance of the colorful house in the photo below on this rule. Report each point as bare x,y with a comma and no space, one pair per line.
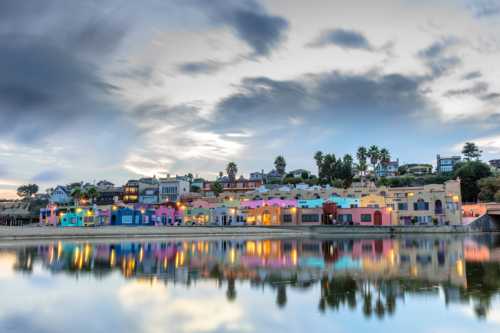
345,202
271,202
197,215
71,219
169,215
310,203
48,215
372,200
365,216
329,213
310,216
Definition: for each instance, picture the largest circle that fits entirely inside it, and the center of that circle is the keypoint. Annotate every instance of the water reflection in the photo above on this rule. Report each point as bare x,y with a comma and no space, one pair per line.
371,275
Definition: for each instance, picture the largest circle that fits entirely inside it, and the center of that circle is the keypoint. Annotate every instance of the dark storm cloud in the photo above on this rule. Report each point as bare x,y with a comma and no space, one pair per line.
48,176
472,75
50,76
323,98
250,22
55,89
200,67
346,39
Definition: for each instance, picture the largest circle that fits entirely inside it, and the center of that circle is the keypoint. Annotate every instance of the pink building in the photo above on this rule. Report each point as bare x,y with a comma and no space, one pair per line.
48,215
271,202
166,215
364,216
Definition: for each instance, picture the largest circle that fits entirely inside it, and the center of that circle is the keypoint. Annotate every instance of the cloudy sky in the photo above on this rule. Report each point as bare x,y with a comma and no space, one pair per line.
117,89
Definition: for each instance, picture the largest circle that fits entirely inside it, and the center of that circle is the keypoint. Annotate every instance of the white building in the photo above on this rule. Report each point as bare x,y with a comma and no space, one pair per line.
171,189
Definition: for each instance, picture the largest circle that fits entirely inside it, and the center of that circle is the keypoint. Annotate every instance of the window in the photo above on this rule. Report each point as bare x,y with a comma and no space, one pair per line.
403,206
366,217
287,218
310,218
345,218
421,205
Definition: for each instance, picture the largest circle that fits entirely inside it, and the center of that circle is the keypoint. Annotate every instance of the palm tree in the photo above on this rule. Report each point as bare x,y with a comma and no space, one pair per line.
385,156
374,155
76,194
231,170
362,155
92,194
280,165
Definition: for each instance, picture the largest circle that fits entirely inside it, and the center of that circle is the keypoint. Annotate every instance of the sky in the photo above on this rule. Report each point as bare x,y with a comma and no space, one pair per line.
119,89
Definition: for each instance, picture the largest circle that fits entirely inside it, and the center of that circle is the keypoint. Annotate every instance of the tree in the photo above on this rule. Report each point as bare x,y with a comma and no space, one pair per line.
362,155
280,165
217,188
27,191
385,157
469,174
497,196
318,157
347,173
91,193
471,151
488,187
374,155
76,194
231,170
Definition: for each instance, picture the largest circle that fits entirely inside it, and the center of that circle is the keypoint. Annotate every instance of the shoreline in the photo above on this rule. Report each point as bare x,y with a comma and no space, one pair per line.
147,232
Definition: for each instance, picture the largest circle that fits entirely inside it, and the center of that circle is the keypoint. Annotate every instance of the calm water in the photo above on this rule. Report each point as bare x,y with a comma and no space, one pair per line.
425,284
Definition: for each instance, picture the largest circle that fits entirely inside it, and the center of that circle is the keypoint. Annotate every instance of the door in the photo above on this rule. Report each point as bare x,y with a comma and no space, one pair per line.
377,218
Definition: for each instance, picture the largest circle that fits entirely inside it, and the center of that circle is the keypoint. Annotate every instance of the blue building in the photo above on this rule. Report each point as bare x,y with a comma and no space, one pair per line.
129,216
310,203
345,202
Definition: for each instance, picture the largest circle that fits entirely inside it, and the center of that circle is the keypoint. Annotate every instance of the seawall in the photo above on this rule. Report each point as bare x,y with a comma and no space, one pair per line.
134,232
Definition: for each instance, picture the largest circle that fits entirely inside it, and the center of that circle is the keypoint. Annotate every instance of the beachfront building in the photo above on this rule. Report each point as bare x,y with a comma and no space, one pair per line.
197,215
310,203
365,216
168,215
171,189
309,216
345,202
373,201
49,215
